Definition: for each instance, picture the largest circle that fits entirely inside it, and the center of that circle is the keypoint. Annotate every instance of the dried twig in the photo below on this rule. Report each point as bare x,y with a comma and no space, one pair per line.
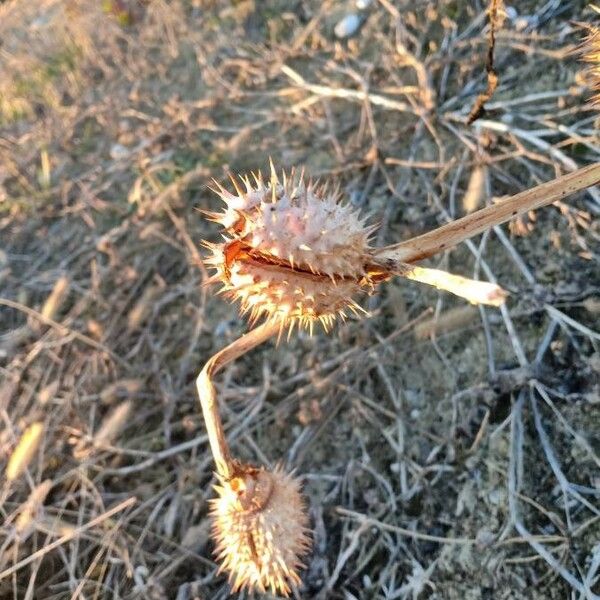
402,531
447,236
344,93
68,537
63,329
492,77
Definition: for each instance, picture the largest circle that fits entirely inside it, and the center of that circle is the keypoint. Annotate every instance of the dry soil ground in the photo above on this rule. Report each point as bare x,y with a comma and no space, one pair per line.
447,451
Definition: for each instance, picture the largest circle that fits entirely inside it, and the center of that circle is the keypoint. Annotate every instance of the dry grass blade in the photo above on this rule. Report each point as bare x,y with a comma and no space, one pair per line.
72,534
31,506
113,424
142,308
56,298
24,451
122,388
402,531
475,190
62,329
110,428
448,321
335,92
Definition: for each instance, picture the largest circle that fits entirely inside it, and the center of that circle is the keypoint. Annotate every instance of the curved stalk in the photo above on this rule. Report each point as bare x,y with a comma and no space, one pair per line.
476,292
208,396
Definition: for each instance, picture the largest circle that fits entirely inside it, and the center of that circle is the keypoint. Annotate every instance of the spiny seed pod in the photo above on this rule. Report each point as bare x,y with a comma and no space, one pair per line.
260,526
292,251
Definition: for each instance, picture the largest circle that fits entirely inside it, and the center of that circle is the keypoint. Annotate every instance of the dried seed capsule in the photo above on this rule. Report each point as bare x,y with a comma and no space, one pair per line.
292,251
260,526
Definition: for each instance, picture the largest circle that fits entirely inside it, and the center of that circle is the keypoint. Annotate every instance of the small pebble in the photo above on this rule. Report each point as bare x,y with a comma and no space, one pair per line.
347,27
223,328
118,152
511,13
521,23
485,538
363,4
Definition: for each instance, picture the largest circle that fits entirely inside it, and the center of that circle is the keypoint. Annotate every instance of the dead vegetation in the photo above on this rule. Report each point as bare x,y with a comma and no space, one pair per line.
447,453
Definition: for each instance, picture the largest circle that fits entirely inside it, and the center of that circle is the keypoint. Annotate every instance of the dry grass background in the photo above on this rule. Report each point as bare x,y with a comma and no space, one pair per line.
448,451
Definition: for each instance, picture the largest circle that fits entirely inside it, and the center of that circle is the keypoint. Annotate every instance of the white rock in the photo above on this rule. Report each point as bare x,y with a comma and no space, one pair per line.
347,26
119,152
511,13
521,23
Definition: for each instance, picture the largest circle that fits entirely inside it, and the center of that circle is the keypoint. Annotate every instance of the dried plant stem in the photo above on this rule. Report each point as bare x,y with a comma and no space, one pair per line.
458,231
492,76
63,329
331,92
24,451
476,292
208,396
72,534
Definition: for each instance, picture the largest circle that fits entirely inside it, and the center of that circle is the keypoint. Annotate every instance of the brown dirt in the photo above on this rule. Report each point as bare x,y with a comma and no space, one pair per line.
113,122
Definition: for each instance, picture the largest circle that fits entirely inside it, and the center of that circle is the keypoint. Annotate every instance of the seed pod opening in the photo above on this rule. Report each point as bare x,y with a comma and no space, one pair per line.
292,252
260,525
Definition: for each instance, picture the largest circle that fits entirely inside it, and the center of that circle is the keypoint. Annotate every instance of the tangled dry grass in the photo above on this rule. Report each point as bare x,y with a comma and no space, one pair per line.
447,451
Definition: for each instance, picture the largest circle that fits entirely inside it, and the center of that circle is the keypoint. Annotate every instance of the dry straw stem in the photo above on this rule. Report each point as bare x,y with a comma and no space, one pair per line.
56,298
208,396
494,14
112,424
63,330
143,307
451,320
110,428
31,506
476,292
475,190
67,537
452,234
24,451
346,94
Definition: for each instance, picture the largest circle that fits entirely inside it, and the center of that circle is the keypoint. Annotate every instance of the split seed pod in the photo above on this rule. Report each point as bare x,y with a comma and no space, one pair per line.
260,526
292,252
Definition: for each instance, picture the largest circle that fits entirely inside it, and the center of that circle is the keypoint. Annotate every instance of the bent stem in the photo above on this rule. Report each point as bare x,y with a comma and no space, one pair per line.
457,231
476,292
208,396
